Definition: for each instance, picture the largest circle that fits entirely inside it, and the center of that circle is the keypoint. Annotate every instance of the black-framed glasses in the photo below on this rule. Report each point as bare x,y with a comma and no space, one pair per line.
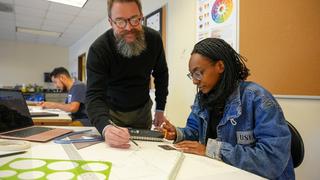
122,23
195,75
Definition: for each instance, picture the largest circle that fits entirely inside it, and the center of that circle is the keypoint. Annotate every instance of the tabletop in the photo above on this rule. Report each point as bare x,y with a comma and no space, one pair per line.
148,161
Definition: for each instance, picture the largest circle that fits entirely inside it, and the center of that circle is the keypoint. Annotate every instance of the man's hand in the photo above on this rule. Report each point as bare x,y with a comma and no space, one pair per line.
159,118
117,137
193,147
48,105
71,107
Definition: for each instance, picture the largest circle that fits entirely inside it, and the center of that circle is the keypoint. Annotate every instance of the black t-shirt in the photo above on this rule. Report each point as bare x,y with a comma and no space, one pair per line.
77,93
212,126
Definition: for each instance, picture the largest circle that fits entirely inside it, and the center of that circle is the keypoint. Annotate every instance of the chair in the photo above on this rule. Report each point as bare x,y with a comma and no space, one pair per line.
297,146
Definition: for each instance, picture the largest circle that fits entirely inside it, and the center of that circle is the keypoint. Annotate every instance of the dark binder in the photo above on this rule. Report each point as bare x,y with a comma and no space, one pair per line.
146,135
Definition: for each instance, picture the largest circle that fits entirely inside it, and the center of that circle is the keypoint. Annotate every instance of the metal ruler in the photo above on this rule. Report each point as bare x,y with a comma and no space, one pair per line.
73,154
175,170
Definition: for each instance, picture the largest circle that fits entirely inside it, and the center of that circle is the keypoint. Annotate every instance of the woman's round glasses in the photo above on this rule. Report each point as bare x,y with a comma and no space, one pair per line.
197,75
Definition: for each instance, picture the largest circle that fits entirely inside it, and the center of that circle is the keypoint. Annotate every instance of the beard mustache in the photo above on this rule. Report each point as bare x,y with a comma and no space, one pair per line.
63,88
134,48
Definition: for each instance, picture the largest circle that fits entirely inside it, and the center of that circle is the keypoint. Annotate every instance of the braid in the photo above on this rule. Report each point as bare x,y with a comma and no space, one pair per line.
235,71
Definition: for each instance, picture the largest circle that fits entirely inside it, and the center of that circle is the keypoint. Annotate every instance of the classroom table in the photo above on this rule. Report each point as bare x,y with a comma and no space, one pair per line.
53,121
147,161
63,118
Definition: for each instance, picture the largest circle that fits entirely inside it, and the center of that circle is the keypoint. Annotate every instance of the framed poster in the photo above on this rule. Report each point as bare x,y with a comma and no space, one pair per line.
154,20
219,19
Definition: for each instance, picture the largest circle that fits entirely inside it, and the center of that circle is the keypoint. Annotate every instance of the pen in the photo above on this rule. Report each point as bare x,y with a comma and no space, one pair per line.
165,132
113,124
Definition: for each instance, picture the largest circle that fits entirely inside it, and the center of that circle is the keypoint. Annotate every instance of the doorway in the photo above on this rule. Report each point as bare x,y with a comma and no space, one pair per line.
82,67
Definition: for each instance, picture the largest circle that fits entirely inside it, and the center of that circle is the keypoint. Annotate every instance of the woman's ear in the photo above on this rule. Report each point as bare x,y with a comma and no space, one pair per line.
220,66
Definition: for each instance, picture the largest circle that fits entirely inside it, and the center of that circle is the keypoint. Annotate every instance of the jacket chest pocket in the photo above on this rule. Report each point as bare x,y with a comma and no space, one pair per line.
245,137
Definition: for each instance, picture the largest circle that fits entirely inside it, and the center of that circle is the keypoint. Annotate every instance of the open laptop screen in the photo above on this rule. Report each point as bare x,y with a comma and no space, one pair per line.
14,111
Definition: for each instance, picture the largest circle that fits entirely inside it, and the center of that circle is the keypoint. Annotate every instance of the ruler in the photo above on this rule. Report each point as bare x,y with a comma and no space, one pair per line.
73,154
175,170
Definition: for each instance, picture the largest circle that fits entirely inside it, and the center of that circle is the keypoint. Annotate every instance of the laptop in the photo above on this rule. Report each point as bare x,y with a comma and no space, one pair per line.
16,121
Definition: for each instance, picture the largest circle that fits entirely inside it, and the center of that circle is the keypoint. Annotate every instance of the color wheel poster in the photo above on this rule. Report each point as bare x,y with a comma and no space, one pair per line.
218,18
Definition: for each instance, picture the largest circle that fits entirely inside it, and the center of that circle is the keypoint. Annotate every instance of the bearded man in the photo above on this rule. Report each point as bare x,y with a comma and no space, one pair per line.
119,66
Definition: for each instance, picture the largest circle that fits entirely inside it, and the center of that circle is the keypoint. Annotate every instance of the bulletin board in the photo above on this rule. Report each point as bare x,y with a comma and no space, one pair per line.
281,40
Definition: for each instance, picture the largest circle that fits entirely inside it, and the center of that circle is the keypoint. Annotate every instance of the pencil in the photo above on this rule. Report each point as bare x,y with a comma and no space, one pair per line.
114,124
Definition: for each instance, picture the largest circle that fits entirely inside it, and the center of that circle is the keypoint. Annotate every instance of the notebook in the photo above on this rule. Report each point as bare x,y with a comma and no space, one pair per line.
146,135
16,121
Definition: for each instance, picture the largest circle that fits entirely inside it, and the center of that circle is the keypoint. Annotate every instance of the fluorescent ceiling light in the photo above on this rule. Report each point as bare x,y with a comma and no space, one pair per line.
38,32
77,3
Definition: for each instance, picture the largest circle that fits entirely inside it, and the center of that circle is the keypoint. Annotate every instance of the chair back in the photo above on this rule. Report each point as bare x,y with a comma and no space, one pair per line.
297,146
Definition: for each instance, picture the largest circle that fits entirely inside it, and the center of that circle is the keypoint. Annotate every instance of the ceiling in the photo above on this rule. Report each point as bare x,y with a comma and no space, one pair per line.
71,21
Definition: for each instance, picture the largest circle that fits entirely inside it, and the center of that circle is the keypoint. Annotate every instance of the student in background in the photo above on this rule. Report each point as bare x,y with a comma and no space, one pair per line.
119,66
233,120
75,101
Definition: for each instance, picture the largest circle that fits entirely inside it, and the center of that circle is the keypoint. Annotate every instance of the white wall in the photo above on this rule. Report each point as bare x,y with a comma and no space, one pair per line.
304,115
180,41
26,62
181,31
82,45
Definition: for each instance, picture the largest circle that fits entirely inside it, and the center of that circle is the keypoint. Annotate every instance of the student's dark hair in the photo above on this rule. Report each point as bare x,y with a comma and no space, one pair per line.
110,4
235,71
59,71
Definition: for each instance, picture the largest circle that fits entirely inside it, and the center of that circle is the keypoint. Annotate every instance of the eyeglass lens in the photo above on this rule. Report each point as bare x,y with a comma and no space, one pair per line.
196,75
122,23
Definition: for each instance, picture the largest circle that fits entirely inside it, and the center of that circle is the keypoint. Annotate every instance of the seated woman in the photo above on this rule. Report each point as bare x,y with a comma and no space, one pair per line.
233,120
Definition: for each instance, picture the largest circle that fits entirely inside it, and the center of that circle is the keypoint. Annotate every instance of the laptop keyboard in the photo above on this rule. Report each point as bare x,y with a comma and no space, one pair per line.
28,132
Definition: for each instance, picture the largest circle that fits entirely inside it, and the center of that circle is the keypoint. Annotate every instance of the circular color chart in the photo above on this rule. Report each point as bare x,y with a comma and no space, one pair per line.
221,10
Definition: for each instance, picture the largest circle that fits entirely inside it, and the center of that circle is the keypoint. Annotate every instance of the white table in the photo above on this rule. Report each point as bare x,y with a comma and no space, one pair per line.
63,118
147,162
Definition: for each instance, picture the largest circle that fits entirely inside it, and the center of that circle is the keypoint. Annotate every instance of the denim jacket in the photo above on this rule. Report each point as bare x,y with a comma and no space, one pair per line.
252,134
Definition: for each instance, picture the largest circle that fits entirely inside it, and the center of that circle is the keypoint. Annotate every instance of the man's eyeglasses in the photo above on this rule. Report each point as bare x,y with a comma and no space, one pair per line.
195,75
122,23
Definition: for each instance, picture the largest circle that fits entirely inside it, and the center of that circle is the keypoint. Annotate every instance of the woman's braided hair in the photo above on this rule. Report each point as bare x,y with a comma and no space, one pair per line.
235,71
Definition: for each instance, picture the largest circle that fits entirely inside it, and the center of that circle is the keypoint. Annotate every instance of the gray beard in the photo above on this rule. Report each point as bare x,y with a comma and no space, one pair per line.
134,48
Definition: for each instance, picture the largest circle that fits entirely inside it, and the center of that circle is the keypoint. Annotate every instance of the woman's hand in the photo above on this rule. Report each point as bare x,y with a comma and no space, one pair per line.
169,130
193,147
